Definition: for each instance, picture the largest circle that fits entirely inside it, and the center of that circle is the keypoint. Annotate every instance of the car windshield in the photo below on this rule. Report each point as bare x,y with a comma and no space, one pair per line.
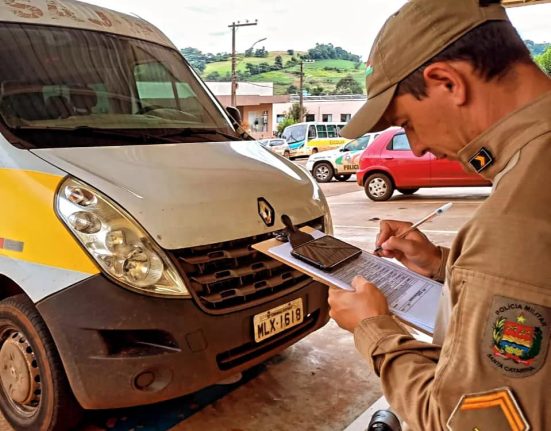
71,87
358,144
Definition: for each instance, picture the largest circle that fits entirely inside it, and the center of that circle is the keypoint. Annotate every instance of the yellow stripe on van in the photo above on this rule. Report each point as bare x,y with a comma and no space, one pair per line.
29,228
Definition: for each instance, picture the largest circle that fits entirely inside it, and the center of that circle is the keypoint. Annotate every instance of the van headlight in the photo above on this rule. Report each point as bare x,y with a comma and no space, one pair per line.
119,245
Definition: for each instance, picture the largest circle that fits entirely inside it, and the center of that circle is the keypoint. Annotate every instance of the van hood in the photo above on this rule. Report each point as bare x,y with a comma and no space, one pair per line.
193,194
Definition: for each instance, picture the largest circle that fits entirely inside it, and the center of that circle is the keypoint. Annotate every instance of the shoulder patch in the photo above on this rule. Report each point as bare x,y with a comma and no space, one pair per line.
481,160
516,338
495,410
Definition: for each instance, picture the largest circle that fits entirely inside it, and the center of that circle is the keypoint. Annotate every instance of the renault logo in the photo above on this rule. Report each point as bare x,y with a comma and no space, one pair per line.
266,212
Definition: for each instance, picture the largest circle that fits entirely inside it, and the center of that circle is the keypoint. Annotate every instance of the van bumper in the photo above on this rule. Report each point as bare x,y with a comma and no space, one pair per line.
122,349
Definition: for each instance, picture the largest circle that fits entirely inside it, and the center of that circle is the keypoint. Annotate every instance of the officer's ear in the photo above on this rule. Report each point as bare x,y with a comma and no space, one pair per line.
446,81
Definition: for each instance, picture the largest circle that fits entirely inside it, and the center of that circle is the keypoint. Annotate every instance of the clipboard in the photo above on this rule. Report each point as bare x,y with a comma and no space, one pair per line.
411,297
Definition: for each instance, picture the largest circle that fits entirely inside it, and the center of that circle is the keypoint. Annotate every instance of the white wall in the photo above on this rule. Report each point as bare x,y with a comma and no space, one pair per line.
318,108
243,88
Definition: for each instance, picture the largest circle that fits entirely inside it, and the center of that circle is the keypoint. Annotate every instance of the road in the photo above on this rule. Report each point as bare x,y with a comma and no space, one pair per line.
321,383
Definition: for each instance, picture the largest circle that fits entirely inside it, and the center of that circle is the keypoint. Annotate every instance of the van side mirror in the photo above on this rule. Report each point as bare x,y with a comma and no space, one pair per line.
234,113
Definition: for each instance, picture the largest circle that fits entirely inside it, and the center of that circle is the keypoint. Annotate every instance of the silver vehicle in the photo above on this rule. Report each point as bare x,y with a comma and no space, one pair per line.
277,145
130,203
340,163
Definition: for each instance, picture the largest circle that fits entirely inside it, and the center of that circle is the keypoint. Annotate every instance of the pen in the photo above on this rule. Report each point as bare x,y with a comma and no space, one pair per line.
414,226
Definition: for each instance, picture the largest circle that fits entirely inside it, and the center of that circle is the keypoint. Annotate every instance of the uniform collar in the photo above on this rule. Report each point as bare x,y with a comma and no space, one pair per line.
490,152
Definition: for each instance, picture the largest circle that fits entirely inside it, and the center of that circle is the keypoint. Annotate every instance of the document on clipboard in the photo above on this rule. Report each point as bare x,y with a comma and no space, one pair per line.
411,297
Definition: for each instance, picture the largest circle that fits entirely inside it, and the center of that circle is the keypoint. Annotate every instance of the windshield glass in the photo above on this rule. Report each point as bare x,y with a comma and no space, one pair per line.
295,133
57,81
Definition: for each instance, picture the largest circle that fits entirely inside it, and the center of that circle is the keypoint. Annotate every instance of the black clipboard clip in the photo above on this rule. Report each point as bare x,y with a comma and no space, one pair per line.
296,237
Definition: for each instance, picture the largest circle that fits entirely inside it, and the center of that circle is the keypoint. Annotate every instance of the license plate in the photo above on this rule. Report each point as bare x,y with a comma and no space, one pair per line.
277,319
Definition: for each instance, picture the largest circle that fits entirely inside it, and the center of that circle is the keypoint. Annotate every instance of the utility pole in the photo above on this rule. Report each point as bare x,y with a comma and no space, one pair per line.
301,91
233,27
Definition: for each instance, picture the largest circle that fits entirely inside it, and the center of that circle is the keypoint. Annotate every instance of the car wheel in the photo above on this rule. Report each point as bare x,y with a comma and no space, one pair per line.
343,177
287,154
34,392
378,187
407,191
323,172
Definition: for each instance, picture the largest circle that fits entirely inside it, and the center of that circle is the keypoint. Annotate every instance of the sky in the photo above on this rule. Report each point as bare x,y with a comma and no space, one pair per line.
291,24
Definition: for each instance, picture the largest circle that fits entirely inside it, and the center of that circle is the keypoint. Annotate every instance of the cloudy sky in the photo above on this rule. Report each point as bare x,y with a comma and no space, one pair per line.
290,24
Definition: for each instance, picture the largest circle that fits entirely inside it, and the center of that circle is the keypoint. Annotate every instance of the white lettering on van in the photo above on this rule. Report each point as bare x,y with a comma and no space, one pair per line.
104,20
24,10
59,10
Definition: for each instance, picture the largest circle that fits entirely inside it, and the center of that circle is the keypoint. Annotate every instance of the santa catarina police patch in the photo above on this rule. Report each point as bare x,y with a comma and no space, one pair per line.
517,336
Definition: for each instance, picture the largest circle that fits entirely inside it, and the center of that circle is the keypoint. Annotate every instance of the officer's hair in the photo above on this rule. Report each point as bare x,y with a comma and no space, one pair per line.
491,48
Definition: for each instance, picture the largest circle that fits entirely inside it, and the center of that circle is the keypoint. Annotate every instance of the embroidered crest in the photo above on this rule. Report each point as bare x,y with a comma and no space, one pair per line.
518,336
481,160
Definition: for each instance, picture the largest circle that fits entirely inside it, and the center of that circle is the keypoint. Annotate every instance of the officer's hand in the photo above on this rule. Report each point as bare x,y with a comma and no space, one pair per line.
415,251
350,308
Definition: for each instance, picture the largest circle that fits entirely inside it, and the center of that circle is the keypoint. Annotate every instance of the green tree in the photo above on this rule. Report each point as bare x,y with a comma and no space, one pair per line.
292,89
278,62
348,85
295,114
544,60
318,91
196,58
286,122
291,51
213,76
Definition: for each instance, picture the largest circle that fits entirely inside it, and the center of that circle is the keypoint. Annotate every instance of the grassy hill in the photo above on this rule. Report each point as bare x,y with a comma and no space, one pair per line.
324,73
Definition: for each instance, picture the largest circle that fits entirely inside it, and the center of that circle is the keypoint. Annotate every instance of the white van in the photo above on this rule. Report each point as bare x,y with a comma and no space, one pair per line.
129,206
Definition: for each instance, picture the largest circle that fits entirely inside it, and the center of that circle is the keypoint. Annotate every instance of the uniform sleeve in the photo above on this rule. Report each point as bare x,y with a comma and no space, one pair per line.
406,368
440,276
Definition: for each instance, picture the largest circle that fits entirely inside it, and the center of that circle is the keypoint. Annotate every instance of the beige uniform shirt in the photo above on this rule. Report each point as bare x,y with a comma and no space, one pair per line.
493,370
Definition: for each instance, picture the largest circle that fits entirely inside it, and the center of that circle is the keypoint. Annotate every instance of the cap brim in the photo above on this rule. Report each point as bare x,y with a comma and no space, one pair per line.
370,116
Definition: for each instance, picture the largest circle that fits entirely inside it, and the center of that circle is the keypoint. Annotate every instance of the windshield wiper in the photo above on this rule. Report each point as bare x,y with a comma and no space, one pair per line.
199,132
145,138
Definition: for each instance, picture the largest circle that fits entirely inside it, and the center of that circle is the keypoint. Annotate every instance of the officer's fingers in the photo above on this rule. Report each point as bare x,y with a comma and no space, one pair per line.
357,281
389,228
400,245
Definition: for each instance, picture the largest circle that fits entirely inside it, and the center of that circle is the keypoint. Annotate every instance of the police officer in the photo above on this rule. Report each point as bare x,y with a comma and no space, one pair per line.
459,80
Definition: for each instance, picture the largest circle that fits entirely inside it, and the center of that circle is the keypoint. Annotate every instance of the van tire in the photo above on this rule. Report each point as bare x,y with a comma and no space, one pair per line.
26,345
323,172
287,154
314,151
378,187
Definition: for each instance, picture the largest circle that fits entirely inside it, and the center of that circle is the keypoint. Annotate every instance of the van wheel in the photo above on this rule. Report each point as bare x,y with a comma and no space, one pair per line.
378,187
323,172
287,154
343,177
407,191
34,392
314,150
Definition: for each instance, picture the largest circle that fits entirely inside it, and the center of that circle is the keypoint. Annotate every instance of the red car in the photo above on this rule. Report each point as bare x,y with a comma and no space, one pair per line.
388,164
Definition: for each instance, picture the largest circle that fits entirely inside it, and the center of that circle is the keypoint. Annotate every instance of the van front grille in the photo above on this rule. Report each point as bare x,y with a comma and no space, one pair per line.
230,274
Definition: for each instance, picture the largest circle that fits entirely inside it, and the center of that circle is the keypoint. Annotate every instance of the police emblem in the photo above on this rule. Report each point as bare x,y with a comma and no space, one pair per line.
519,335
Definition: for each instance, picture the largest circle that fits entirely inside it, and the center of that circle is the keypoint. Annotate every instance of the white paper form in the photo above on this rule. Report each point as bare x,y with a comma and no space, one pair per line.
412,297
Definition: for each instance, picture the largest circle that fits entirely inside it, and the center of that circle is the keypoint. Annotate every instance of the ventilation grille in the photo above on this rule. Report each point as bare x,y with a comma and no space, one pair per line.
230,274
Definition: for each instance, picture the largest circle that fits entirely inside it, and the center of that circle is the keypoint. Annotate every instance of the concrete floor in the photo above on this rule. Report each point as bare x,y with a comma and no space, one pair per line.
321,383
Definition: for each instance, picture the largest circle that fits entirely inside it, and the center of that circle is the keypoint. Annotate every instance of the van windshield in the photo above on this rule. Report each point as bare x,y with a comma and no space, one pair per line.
71,87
